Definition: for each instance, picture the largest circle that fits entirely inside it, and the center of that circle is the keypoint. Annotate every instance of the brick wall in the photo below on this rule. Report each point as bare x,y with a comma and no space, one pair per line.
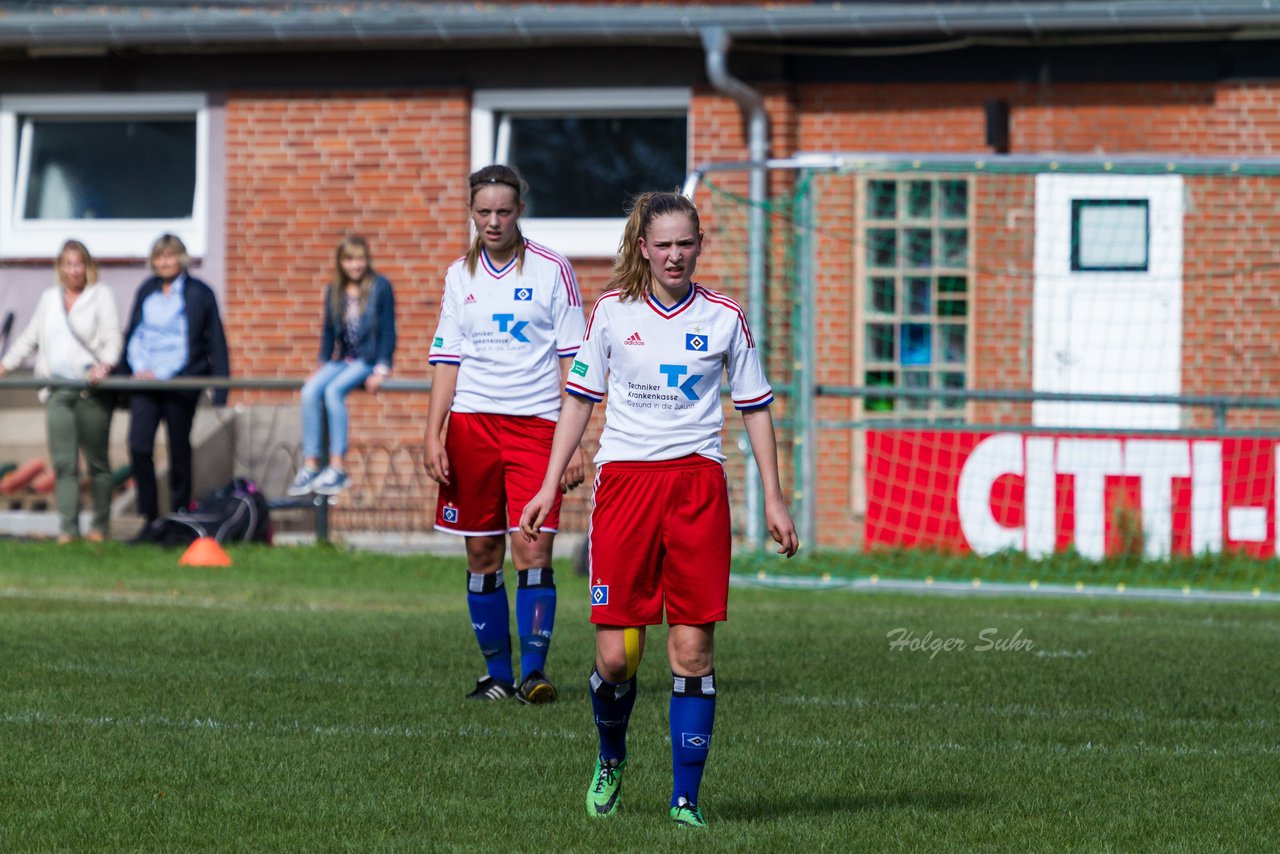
1231,302
303,170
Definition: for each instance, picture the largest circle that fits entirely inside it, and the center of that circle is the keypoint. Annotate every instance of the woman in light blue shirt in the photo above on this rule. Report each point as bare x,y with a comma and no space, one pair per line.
174,330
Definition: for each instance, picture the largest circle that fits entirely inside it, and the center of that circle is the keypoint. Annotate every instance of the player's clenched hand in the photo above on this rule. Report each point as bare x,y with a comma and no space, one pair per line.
781,528
436,461
535,513
575,473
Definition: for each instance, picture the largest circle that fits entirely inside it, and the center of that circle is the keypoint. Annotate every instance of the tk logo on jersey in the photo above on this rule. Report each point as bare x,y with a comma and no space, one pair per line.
523,294
676,378
508,323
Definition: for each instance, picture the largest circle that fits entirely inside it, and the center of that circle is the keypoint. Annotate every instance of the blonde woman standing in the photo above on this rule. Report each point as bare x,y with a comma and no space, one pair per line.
75,335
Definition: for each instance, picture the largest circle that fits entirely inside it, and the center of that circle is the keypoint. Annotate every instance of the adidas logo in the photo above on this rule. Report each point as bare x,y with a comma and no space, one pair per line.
469,300
635,339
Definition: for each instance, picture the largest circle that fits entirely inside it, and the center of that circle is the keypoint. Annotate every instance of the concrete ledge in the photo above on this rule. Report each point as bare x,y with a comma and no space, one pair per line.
38,524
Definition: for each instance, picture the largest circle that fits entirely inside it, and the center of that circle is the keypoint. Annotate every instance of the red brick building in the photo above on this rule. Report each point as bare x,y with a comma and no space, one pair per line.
272,129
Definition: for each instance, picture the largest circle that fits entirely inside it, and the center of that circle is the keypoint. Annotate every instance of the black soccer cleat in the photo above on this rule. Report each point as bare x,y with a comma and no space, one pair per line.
491,690
536,689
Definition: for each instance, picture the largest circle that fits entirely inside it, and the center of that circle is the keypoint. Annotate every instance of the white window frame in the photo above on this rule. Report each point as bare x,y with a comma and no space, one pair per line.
490,136
110,238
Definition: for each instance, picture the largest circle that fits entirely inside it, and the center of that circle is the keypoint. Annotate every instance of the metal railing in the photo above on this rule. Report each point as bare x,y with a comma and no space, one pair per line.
1219,405
319,504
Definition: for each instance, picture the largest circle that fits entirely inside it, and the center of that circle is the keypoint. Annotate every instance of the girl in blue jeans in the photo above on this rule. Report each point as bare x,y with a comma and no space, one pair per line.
356,345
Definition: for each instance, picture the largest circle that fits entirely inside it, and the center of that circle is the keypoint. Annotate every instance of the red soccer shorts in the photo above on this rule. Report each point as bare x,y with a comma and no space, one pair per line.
660,537
497,465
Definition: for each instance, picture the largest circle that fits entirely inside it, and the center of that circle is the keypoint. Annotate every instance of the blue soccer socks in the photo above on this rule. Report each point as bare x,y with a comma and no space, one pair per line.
535,617
490,614
693,711
612,704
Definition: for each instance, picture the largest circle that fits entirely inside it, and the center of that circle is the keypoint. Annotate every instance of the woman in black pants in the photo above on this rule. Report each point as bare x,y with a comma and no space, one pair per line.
174,331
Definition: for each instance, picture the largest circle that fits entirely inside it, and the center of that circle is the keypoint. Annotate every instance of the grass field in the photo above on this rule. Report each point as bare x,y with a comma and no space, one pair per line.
311,700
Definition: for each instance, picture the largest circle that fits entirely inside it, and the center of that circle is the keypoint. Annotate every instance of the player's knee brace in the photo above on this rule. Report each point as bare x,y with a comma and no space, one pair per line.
611,691
539,576
693,686
487,583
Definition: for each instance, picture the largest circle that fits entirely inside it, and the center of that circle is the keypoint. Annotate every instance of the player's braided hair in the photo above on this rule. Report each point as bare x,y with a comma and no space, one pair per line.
502,175
631,273
337,285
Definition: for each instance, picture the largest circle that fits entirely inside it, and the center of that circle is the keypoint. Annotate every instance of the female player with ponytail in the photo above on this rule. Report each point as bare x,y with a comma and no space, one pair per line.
510,321
659,344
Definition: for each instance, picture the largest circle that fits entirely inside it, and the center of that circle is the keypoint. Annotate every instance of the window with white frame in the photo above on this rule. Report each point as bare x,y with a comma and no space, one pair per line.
113,170
584,153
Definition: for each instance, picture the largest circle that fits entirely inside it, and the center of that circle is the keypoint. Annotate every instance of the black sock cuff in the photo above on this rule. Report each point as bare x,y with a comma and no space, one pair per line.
487,583
606,690
693,686
536,576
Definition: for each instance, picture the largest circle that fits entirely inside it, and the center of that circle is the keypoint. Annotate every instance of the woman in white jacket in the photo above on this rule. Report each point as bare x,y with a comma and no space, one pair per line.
75,335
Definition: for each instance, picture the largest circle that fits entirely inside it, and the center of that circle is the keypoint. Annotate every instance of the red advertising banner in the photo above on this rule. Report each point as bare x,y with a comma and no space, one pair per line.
1044,493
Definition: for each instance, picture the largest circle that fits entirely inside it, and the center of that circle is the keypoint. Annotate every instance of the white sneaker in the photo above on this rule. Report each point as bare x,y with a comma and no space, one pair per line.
331,481
303,480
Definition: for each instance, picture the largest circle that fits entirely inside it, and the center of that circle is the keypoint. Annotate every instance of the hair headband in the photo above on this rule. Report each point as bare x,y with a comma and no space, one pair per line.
478,181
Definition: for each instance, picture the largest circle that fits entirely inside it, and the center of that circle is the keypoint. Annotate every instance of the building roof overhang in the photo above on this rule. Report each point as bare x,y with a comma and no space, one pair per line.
218,24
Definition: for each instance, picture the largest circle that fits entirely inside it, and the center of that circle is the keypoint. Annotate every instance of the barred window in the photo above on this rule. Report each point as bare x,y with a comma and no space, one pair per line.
916,286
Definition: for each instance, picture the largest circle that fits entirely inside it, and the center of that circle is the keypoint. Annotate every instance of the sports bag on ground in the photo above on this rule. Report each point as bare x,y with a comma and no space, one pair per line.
235,513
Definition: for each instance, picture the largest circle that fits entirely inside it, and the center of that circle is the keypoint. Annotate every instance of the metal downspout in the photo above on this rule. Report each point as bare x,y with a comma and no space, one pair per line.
715,41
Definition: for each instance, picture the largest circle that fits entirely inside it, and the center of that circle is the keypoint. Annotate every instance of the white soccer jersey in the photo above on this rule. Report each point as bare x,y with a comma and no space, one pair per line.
663,367
504,329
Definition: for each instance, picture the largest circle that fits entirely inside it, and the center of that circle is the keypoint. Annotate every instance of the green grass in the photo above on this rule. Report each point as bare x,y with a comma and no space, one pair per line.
310,700
1230,571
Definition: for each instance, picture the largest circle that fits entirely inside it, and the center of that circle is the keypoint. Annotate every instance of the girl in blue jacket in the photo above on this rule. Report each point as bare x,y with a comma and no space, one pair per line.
357,342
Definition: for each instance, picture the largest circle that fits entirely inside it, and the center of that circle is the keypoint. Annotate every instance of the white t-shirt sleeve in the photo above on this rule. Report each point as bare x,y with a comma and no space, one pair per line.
588,372
566,303
747,384
446,344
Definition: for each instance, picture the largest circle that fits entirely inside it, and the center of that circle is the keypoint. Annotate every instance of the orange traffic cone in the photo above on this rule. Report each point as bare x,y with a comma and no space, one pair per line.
205,552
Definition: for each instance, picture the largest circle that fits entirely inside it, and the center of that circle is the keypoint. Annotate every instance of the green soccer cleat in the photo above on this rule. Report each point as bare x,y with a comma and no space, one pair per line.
685,814
604,793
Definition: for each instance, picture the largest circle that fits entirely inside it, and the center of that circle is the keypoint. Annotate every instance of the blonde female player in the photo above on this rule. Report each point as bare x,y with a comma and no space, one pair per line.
660,528
510,320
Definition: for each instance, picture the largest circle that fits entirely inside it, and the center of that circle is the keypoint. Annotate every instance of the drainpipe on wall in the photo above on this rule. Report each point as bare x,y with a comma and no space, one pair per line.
715,41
